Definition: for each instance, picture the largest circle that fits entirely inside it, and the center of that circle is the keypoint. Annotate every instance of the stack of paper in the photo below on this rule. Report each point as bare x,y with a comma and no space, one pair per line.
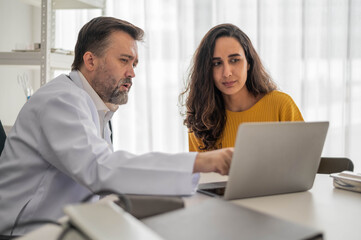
347,180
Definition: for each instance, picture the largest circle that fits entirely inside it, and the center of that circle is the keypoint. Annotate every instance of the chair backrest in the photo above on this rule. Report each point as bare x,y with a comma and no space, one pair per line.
330,165
2,137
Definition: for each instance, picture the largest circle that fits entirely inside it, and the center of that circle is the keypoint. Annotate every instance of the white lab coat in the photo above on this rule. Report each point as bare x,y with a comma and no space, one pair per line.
54,156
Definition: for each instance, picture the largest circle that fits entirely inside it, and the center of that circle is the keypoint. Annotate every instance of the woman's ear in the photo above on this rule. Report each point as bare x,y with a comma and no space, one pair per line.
248,66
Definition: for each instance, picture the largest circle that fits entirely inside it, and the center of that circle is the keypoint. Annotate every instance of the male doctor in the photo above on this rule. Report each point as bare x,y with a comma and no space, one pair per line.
59,149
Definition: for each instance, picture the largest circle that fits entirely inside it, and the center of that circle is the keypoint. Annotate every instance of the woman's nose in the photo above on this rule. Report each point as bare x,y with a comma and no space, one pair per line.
227,71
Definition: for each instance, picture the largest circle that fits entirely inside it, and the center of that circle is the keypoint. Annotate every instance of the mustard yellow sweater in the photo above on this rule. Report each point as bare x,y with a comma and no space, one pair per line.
273,107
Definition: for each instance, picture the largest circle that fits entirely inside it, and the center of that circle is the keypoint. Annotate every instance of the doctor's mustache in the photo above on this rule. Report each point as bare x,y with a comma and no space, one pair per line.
125,81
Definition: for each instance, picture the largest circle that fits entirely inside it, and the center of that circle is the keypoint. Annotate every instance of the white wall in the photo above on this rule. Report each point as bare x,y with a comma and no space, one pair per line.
19,28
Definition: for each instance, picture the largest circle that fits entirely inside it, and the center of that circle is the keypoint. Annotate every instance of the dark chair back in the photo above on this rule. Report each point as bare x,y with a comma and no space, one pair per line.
6,237
2,142
2,137
330,165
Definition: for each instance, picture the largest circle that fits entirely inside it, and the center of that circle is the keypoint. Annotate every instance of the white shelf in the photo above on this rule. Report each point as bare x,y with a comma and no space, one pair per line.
77,4
57,61
20,58
70,4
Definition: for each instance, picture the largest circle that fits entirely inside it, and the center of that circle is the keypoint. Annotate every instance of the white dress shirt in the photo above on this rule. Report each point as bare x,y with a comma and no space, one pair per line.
105,114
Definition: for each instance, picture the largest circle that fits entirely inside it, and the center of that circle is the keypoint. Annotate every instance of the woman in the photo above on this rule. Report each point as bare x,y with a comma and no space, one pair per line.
228,85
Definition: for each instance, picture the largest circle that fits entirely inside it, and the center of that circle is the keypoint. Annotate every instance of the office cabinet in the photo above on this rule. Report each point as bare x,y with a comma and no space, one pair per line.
44,57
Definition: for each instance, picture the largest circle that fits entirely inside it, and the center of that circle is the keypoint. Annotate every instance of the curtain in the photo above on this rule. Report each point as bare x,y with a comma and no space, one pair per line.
311,49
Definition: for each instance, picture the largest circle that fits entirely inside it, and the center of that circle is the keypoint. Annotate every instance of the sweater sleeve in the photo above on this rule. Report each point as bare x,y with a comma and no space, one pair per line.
289,110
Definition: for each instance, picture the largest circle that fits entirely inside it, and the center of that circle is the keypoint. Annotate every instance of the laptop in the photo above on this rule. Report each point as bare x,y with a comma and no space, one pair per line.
272,158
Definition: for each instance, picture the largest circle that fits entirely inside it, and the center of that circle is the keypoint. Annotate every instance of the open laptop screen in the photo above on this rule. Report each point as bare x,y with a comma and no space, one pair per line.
273,158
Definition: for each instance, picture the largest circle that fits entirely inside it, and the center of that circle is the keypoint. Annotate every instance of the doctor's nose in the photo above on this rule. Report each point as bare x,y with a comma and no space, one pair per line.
130,73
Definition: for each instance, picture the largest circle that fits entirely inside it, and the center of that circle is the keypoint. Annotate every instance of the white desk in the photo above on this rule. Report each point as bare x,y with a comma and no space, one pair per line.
335,212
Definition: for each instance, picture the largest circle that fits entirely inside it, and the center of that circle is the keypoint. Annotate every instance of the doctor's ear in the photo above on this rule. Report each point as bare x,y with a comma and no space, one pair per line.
89,61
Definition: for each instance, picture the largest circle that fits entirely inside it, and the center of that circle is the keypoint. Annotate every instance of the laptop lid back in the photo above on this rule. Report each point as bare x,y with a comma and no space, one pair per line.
274,158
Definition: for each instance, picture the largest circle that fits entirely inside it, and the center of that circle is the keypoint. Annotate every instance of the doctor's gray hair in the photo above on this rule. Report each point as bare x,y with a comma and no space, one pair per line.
94,35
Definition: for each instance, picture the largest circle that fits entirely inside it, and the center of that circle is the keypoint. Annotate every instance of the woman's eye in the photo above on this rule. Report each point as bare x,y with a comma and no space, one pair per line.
234,60
124,60
215,64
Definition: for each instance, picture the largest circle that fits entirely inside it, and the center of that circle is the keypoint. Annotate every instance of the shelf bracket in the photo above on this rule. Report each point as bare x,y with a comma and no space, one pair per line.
46,40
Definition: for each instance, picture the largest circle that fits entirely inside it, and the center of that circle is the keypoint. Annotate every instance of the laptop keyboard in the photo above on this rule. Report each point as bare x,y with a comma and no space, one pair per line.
212,185
215,188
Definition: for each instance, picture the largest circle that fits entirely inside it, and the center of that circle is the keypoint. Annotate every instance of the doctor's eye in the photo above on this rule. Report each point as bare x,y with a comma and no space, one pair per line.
124,60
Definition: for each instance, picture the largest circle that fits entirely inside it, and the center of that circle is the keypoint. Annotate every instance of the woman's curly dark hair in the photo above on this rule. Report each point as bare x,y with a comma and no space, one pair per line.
206,115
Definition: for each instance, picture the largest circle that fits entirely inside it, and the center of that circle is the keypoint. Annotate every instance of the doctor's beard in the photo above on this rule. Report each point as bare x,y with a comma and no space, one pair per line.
118,96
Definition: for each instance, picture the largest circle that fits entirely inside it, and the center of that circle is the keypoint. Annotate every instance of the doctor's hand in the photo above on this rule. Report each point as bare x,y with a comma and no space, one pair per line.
217,161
